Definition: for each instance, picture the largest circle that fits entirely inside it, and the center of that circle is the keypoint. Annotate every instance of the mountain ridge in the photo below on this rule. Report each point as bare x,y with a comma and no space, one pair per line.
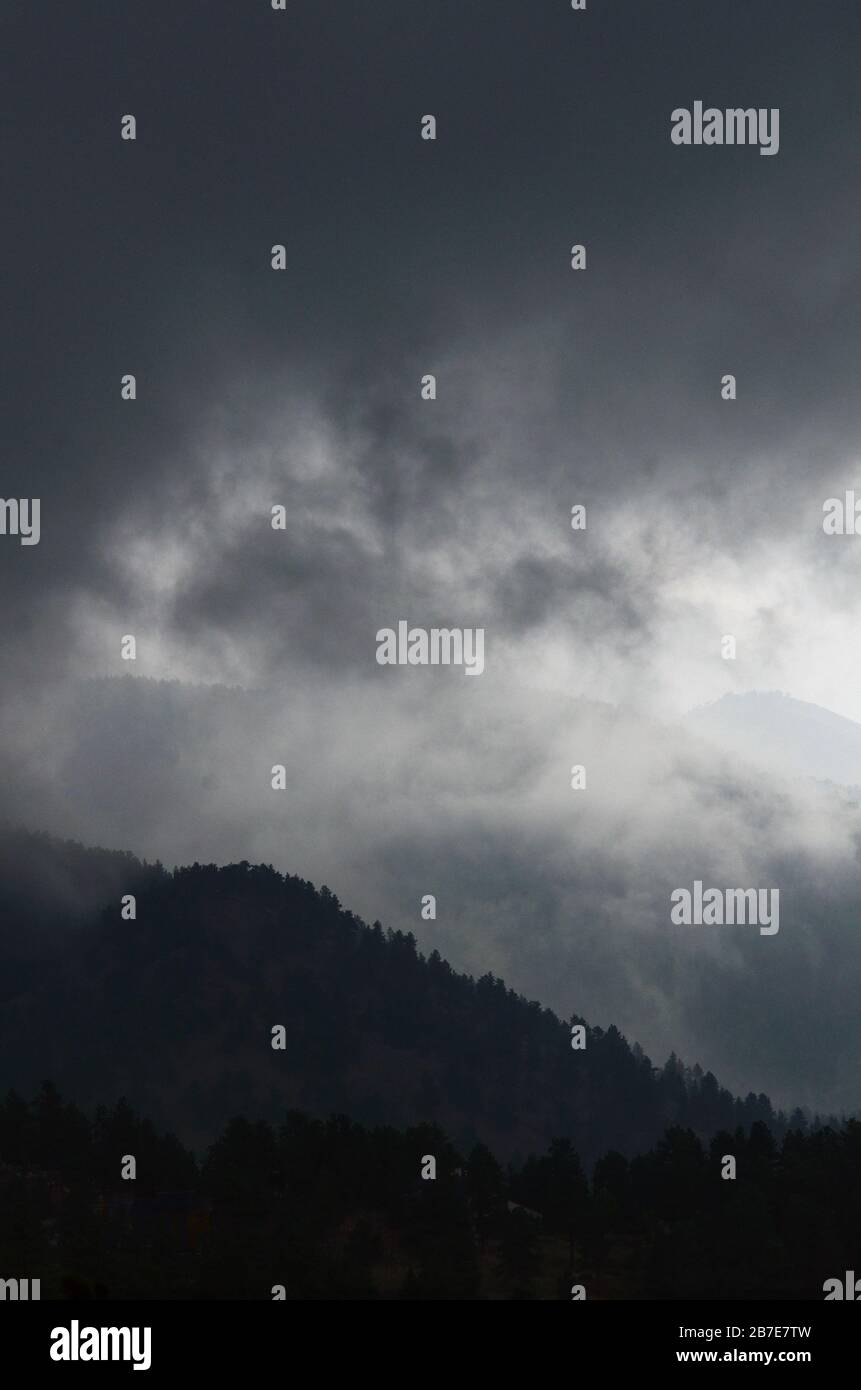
175,1011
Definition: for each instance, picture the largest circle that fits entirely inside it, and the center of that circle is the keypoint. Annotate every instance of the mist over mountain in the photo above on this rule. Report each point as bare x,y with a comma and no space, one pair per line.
176,1009
462,789
299,393
773,730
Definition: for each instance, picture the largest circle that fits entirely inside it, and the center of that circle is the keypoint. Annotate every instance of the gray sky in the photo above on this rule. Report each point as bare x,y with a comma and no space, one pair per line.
554,388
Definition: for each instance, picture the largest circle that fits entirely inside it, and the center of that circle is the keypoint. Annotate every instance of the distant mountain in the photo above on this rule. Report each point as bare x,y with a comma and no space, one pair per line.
175,1010
784,734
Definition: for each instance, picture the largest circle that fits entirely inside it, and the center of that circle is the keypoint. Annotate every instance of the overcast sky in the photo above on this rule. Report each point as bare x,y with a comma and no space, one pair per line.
555,387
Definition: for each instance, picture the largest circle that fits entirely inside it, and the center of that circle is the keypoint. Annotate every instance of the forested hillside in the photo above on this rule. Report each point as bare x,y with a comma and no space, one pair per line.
175,1010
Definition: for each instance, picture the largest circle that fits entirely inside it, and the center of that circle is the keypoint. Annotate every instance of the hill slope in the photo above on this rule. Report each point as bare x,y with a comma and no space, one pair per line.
175,1010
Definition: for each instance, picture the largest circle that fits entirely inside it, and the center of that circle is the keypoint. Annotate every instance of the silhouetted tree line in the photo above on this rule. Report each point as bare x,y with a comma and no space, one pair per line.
174,1010
331,1209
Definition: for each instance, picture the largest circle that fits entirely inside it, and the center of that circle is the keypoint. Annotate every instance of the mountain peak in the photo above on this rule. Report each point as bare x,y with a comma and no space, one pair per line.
789,735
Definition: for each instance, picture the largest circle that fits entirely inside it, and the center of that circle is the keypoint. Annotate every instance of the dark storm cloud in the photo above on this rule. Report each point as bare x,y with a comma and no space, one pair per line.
256,127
